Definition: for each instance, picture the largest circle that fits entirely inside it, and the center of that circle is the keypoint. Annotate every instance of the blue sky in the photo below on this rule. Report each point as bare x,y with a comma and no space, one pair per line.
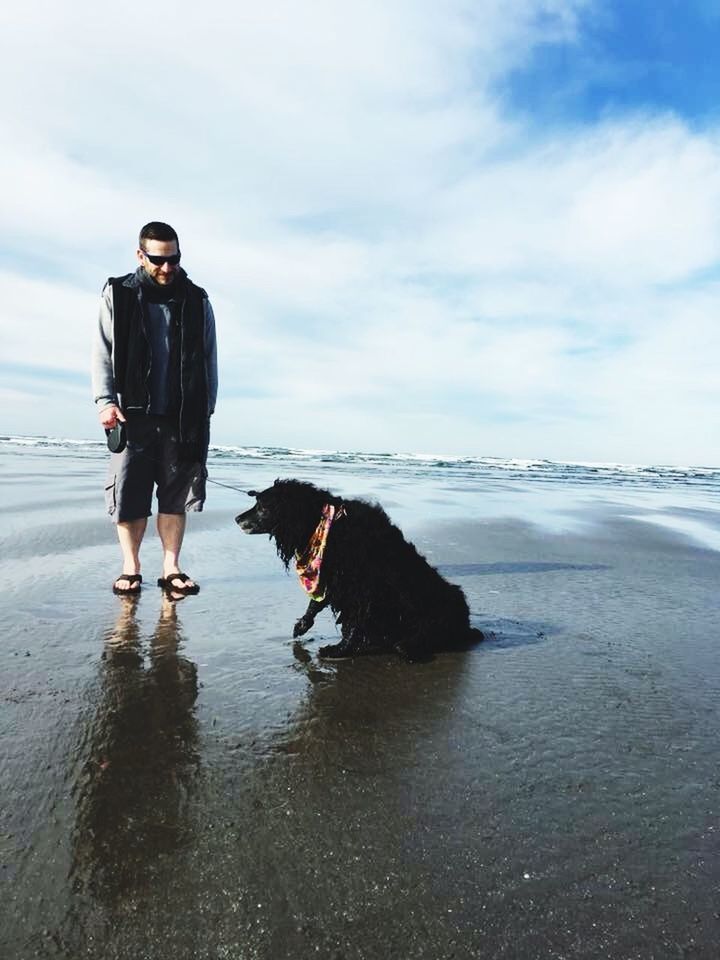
656,55
482,227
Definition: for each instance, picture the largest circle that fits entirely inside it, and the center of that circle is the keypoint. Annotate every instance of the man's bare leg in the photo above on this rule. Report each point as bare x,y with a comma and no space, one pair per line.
171,529
130,535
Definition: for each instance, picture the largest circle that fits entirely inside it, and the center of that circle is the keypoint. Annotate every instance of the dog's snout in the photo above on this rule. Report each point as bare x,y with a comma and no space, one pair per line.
249,521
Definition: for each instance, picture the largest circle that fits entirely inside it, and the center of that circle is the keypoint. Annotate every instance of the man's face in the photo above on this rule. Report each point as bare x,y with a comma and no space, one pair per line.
166,272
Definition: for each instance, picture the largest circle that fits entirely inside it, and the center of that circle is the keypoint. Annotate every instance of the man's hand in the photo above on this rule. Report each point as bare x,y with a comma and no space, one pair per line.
109,416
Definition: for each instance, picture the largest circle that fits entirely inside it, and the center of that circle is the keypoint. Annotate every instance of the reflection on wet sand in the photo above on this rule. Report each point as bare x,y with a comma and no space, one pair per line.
371,706
325,846
139,760
274,833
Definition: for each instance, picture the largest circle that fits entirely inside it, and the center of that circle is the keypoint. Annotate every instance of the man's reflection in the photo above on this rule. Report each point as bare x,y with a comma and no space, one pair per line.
140,750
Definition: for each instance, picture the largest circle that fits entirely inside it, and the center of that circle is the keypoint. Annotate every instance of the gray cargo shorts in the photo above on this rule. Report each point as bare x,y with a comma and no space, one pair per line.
151,458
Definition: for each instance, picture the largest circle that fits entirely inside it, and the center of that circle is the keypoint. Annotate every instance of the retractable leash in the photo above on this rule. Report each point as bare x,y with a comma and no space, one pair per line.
116,438
228,486
117,441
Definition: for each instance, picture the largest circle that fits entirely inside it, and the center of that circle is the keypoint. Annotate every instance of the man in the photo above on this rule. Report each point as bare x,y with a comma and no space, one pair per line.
154,371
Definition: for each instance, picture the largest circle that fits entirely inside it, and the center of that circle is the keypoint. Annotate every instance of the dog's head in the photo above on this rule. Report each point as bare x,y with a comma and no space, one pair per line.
288,511
258,519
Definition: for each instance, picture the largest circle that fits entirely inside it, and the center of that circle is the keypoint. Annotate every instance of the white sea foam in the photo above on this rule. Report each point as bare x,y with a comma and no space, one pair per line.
553,471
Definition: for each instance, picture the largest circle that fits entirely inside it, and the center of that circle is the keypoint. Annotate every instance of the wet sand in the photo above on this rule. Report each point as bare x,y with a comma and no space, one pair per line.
189,782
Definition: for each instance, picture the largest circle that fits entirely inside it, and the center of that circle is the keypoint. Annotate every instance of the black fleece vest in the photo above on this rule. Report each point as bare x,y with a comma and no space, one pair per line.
132,356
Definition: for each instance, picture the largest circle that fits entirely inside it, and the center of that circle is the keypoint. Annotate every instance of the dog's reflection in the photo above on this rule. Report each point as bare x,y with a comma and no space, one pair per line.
140,758
366,711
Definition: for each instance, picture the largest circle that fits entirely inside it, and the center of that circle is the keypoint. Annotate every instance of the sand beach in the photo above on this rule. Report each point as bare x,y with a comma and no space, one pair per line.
187,781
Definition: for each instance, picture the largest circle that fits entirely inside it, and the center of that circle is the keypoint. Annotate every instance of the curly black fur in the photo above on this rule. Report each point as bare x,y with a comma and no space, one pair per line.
384,594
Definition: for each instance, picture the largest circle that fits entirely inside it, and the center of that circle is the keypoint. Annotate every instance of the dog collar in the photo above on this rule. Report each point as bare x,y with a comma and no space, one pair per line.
309,562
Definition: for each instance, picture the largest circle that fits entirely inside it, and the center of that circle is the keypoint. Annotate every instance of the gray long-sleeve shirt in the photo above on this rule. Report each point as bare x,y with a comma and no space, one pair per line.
159,318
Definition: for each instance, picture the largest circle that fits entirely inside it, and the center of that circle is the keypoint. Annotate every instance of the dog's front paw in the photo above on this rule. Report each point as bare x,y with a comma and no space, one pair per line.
302,626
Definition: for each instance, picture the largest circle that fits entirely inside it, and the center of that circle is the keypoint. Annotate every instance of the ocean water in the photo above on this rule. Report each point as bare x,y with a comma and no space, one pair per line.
545,490
685,499
188,782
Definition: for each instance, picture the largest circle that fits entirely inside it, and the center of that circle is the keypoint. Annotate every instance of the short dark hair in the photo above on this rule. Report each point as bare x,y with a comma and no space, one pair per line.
156,230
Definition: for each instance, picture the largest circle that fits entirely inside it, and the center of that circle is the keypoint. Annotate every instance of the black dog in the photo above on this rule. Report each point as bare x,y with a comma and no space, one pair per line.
384,594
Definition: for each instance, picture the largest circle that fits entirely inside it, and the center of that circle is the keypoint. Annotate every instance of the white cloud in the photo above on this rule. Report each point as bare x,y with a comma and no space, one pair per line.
393,260
45,324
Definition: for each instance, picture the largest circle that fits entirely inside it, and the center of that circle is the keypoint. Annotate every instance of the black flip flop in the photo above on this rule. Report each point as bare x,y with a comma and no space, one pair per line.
131,579
185,591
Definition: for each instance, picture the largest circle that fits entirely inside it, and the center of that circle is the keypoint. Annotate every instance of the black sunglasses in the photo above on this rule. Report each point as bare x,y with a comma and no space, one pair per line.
159,261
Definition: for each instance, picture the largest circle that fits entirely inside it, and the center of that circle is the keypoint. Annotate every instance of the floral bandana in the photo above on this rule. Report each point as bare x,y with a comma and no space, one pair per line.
308,563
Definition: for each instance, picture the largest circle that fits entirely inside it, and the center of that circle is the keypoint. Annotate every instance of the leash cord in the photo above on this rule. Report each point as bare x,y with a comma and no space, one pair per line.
217,483
226,485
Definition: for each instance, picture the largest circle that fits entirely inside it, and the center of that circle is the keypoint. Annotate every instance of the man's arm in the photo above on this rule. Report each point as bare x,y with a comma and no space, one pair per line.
210,356
103,382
